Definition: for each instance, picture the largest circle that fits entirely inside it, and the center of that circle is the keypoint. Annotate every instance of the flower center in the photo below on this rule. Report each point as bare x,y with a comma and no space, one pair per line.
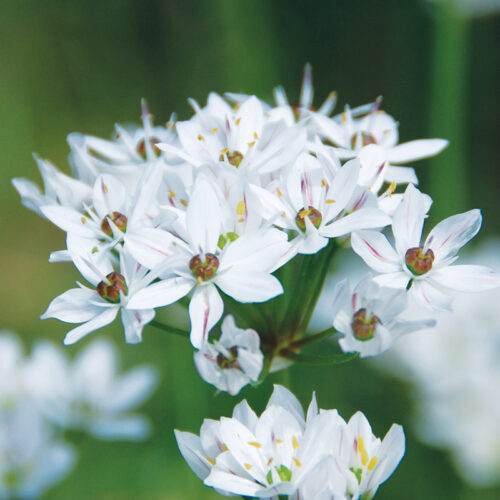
363,325
141,147
204,269
118,219
364,137
231,361
111,288
417,262
314,216
233,157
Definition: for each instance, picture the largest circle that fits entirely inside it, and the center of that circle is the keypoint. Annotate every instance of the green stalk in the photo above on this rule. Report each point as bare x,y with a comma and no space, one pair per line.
170,329
447,173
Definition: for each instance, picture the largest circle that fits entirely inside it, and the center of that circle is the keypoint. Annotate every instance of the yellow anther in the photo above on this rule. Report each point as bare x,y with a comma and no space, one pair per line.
373,463
241,219
279,441
200,137
210,460
84,220
324,183
248,466
297,463
183,202
280,194
304,213
295,443
200,280
392,188
214,130
224,447
255,444
223,151
329,201
331,95
171,194
270,461
344,117
238,121
240,208
236,106
106,190
283,214
250,144
170,124
362,450
255,135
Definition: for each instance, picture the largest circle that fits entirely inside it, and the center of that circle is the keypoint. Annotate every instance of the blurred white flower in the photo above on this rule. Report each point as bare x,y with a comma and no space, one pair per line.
454,371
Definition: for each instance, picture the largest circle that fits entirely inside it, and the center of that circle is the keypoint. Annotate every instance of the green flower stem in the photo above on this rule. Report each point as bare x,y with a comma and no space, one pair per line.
312,339
170,329
448,175
310,359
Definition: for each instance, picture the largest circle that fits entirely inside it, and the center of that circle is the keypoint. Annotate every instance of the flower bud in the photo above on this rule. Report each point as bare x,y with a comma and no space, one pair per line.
111,288
365,137
363,327
314,216
204,269
141,147
118,219
417,262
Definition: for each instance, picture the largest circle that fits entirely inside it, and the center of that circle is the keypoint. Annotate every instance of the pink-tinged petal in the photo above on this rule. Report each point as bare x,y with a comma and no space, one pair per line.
259,251
416,150
467,278
248,285
408,219
103,319
149,246
374,248
205,309
109,195
146,194
401,175
451,234
161,294
341,298
73,306
204,216
342,189
134,322
426,294
398,279
70,220
364,218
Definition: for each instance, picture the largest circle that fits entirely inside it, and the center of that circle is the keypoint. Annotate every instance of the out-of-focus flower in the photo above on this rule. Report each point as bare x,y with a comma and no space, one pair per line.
425,268
233,361
283,453
454,371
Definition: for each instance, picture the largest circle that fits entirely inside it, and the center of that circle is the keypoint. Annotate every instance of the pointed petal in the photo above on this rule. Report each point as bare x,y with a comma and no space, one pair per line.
205,309
161,294
103,319
416,150
467,278
374,248
364,218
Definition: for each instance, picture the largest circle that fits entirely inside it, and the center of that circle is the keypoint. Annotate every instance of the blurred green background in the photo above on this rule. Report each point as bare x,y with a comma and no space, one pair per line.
82,65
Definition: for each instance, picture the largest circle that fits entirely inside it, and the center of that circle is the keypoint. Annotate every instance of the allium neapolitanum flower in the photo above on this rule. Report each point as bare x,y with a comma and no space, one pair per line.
282,452
233,361
370,317
425,268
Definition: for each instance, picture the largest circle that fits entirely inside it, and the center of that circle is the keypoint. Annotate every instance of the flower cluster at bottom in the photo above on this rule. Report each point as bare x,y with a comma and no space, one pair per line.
286,453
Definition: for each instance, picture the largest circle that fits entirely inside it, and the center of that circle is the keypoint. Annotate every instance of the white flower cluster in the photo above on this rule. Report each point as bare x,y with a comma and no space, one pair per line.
283,452
454,372
45,394
211,207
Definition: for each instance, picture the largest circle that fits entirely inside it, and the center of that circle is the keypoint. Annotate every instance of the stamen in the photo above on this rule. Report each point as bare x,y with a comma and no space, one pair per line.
295,443
248,466
200,137
240,208
214,130
238,121
373,463
255,444
297,463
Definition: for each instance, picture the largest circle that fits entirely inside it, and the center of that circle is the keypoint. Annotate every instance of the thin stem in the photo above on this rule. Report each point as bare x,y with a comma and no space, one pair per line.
170,329
311,359
311,339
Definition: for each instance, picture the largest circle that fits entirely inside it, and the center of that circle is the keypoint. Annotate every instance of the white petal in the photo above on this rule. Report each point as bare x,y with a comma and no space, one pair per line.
103,319
248,285
190,448
401,175
426,294
132,428
281,396
133,323
452,234
376,251
70,220
161,294
73,306
149,246
416,150
364,218
205,309
467,278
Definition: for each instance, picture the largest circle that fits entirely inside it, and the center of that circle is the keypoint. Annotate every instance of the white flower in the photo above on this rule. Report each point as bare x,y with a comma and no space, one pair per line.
31,459
99,306
233,361
89,394
242,269
369,317
425,268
